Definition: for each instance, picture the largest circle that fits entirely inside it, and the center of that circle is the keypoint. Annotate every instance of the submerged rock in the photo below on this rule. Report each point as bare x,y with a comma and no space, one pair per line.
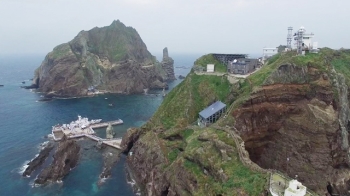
65,158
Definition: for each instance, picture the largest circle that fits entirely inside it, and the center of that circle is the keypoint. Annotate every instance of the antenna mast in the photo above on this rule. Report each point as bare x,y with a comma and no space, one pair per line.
289,38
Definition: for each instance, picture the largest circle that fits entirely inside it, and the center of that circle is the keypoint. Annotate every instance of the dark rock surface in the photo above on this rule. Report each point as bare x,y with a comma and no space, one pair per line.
291,124
129,138
39,160
65,158
181,77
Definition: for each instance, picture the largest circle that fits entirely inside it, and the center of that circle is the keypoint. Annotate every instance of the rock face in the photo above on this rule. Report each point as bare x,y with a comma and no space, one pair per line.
65,158
112,58
109,132
168,65
39,160
292,124
291,116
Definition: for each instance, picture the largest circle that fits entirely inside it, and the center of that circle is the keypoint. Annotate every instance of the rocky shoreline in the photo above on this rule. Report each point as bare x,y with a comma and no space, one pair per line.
66,156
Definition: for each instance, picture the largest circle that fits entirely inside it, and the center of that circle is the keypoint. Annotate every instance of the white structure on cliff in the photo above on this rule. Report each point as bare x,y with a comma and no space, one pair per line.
210,68
303,42
295,188
281,185
269,52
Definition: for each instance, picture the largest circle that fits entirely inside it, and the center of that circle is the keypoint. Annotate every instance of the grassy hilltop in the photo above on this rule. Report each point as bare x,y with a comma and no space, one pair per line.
205,161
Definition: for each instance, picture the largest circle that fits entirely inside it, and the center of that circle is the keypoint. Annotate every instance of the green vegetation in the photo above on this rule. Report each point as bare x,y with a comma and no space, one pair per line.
210,156
237,178
210,59
60,51
182,105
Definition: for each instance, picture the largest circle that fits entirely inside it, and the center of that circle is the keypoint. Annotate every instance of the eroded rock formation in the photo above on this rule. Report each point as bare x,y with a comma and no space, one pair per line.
168,65
39,160
112,59
65,158
292,124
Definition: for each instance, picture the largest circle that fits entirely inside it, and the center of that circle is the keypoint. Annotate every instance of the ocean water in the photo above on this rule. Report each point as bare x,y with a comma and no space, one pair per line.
24,123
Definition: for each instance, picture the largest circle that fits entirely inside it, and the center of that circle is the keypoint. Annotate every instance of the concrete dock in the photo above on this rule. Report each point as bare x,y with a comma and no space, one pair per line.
77,132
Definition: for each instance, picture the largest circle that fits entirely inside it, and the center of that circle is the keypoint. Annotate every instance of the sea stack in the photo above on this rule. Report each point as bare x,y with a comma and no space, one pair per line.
109,132
108,59
168,65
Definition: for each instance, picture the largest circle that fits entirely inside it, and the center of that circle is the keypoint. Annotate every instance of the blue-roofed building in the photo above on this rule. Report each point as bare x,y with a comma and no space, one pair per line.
211,114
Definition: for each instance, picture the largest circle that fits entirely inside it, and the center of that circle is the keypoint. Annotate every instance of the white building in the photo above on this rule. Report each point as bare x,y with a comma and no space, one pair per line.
295,188
210,68
268,52
303,41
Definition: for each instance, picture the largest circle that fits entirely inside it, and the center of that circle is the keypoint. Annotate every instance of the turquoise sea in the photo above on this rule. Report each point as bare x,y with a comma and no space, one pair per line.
24,123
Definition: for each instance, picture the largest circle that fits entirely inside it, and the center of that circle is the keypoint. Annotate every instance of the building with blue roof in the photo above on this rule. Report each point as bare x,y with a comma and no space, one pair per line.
211,114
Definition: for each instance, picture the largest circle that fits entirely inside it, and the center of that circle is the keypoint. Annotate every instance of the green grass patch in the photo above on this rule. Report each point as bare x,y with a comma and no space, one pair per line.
187,133
182,105
204,155
210,59
173,155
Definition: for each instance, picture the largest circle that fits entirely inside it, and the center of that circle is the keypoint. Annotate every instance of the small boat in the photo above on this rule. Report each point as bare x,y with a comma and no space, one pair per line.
110,104
1,85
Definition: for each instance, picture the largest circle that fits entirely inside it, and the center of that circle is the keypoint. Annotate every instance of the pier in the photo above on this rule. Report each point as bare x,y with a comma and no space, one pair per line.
87,131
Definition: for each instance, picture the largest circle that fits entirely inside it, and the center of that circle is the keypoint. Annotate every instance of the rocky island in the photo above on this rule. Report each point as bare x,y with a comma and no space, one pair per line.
291,117
108,59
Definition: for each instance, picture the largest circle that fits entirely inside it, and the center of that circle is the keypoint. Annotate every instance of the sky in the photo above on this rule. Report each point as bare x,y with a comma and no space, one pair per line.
184,26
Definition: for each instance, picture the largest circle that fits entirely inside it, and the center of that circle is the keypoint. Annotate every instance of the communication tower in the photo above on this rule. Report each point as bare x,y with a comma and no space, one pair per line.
299,40
289,38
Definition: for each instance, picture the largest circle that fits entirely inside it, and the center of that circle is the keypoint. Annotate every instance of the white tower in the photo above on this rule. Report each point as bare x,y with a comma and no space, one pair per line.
289,38
299,39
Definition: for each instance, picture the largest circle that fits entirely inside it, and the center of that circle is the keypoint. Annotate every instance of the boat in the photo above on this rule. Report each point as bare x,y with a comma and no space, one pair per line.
23,82
95,121
80,123
1,85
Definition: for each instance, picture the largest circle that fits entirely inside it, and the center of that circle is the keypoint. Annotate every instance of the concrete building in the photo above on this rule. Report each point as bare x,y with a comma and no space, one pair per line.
269,52
210,68
242,66
303,42
295,188
211,114
225,58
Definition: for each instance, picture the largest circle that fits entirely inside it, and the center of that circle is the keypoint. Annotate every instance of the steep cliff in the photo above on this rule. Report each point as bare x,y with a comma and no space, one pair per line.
168,156
112,58
297,120
292,115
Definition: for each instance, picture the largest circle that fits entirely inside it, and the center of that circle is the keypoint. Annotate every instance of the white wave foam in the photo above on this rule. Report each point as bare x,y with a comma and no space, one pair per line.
43,145
23,167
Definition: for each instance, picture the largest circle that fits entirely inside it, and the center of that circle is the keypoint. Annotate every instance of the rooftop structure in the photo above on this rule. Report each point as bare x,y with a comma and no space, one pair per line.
281,185
269,52
303,41
295,188
225,58
211,114
242,66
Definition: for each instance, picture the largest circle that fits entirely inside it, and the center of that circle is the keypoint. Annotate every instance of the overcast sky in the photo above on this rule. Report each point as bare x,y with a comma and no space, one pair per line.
184,26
